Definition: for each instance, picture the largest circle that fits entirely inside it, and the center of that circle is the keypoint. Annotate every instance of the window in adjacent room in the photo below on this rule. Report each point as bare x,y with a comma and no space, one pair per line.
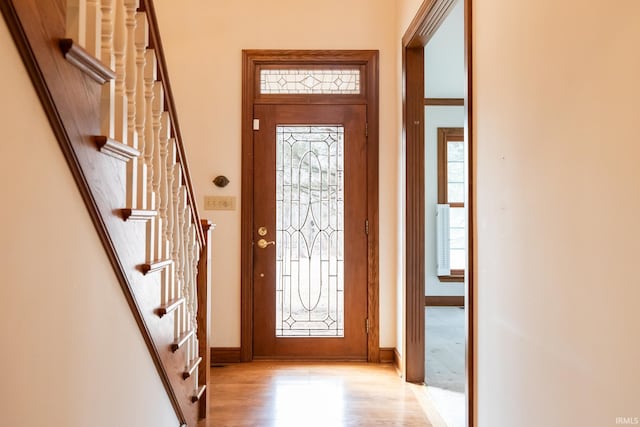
451,191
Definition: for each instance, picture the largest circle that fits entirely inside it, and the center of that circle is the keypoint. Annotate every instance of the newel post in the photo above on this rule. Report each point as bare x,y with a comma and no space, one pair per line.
204,314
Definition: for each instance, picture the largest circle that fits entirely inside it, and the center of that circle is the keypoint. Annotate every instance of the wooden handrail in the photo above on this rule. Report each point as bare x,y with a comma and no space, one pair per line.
170,106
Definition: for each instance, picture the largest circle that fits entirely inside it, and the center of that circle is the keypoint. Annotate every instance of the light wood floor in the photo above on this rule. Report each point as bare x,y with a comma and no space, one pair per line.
309,394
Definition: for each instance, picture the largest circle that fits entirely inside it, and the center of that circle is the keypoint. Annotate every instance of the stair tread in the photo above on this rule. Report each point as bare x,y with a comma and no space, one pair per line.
86,62
151,267
194,365
198,394
167,308
138,214
116,149
179,342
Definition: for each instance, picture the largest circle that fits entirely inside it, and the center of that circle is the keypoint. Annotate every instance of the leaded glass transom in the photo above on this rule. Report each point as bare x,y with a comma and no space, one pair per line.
299,81
310,231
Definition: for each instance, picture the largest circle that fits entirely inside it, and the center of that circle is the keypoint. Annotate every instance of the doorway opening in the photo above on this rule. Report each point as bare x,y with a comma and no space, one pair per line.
439,207
309,249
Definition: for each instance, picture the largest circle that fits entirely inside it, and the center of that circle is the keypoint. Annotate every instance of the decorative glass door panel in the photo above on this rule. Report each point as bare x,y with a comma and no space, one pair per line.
310,244
309,231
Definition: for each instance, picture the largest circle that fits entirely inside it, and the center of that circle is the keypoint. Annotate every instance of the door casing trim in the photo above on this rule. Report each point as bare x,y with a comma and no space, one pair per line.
427,20
368,60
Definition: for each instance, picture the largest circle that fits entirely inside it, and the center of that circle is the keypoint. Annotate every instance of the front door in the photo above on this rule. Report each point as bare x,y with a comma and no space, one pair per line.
309,237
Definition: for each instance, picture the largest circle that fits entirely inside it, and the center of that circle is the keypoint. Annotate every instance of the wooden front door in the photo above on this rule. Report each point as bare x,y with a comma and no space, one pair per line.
310,232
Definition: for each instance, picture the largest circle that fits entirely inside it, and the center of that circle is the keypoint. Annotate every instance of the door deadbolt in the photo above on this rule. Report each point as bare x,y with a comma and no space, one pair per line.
262,231
262,244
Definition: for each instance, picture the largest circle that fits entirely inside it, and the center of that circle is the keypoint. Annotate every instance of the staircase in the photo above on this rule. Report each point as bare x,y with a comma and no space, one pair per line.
99,70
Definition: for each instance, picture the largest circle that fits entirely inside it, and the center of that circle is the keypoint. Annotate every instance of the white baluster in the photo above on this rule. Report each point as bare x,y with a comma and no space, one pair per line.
159,189
168,224
151,239
163,177
161,138
196,346
194,276
94,28
125,84
107,100
189,283
161,133
193,352
184,260
196,259
119,51
176,176
163,204
76,25
194,287
188,272
171,170
106,7
141,43
189,267
182,201
141,66
130,79
169,164
144,93
131,72
152,135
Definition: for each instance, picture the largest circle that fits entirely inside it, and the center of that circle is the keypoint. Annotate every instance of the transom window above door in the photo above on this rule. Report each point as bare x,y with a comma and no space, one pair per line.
310,81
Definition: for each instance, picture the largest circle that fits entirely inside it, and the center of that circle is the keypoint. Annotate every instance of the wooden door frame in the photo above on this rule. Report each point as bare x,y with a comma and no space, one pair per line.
367,61
427,20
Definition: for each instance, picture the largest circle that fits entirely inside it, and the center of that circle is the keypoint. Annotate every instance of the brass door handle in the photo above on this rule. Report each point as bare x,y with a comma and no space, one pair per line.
262,244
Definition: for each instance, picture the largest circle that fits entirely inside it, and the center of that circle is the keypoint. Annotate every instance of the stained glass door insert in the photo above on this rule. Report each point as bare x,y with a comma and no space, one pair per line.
309,238
310,231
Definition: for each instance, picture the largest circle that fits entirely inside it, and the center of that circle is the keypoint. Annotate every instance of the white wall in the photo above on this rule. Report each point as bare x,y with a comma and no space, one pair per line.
203,43
556,94
444,57
436,117
72,354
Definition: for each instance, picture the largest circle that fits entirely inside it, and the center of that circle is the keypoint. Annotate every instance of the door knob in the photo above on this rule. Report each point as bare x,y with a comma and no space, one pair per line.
263,243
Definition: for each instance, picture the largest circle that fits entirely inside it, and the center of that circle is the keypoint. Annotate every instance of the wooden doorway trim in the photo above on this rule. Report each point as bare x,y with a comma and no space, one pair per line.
367,61
427,20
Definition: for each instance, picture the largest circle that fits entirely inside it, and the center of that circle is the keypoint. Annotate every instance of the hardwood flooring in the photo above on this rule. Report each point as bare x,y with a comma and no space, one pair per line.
311,394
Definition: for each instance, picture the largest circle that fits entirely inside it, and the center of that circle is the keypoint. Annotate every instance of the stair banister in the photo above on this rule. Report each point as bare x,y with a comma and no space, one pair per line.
109,84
